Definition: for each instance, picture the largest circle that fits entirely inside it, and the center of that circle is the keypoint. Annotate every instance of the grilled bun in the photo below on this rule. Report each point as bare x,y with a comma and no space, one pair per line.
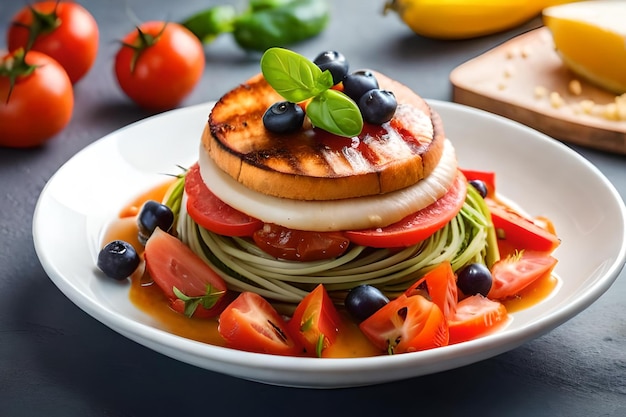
312,164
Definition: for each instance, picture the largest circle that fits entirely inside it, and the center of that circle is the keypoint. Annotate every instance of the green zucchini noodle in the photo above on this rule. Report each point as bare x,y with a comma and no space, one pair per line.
469,237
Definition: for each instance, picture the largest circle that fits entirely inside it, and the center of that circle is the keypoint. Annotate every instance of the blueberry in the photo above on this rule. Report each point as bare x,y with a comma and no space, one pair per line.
378,106
480,186
283,117
358,83
363,301
118,260
152,215
474,279
334,62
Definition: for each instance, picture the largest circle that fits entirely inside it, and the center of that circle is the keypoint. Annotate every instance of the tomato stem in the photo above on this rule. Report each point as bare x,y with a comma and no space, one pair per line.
14,66
143,42
42,23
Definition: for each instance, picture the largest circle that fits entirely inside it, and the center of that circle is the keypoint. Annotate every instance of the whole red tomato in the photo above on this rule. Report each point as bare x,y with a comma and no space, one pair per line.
36,99
159,64
63,30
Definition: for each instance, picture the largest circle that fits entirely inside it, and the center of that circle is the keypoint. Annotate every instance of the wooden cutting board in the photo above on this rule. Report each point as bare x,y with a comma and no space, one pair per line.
525,80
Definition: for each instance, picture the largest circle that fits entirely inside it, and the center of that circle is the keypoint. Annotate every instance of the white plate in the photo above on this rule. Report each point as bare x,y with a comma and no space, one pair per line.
541,174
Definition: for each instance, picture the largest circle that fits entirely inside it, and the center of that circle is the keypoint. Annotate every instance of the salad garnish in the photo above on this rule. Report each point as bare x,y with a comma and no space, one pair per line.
208,300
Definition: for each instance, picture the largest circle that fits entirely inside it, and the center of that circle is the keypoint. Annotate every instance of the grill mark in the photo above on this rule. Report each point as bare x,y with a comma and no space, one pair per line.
360,157
260,159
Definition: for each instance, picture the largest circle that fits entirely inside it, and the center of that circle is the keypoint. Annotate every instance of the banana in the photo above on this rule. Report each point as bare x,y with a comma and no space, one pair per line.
464,19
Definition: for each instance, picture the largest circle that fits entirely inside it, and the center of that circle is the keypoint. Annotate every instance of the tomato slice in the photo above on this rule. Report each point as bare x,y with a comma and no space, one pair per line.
206,209
300,245
407,324
475,317
488,177
518,232
188,282
517,271
315,322
417,226
250,323
441,287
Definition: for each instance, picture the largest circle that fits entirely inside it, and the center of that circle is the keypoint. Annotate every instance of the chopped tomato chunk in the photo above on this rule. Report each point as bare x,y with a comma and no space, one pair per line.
407,324
476,316
441,288
315,322
520,232
515,272
252,324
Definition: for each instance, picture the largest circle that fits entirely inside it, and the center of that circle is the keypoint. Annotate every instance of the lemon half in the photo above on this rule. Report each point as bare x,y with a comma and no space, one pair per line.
590,37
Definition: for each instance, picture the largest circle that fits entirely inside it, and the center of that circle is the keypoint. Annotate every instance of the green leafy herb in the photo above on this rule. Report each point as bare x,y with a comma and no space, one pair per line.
293,76
208,300
336,113
297,79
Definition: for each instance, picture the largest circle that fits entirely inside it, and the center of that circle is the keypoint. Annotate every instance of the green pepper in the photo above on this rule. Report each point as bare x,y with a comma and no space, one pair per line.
210,23
266,23
284,25
256,5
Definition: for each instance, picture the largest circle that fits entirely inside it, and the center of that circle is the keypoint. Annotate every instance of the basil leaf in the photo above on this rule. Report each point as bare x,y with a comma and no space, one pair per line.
324,82
293,76
336,113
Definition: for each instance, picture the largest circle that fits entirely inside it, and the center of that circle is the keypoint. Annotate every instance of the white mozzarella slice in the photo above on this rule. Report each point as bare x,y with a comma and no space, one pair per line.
348,214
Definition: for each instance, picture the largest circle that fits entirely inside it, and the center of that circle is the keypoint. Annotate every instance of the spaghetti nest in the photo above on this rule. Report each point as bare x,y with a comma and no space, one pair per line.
467,238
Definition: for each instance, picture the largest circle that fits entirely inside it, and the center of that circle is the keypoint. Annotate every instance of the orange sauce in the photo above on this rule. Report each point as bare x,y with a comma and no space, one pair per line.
123,228
533,294
156,193
350,342
149,298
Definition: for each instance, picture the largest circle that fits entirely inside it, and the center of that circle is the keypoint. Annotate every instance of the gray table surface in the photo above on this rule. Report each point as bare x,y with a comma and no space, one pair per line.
55,360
